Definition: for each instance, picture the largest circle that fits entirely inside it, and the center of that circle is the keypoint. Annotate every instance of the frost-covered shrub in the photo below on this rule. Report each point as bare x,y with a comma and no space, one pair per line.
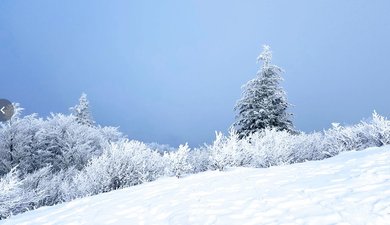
378,131
270,147
307,147
339,138
267,148
177,161
11,195
110,134
199,159
122,164
53,186
40,188
18,144
17,195
60,140
64,142
161,148
260,149
225,151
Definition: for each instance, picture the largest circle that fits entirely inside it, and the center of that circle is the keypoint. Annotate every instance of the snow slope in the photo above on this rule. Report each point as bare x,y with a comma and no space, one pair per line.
352,188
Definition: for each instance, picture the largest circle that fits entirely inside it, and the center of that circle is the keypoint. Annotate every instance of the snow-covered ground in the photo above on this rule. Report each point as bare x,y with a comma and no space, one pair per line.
351,188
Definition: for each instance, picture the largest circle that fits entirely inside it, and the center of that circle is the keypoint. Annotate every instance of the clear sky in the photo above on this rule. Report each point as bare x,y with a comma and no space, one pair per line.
171,71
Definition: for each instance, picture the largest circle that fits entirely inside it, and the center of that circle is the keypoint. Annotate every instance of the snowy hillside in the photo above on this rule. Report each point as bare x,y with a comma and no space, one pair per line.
351,188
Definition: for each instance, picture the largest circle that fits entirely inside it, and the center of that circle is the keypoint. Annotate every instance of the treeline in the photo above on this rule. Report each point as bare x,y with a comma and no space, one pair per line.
79,160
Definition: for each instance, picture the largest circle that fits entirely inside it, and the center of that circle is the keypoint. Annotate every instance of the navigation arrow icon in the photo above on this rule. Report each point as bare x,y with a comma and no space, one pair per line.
6,110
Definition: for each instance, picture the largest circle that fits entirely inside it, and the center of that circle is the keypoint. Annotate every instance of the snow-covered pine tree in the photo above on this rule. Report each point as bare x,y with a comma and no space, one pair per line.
263,103
81,111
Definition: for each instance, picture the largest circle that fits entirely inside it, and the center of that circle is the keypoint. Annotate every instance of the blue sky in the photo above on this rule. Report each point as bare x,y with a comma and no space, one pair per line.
171,71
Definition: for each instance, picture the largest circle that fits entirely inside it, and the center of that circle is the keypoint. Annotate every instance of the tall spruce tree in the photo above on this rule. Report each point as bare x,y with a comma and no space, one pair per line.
81,111
263,103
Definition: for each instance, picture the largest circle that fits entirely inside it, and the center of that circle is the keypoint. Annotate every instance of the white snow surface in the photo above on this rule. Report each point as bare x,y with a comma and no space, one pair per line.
351,188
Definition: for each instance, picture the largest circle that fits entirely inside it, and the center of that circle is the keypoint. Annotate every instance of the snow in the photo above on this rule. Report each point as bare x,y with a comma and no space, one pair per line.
351,188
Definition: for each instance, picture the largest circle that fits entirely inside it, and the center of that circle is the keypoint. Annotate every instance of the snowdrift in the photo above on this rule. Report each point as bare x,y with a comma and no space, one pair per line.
350,188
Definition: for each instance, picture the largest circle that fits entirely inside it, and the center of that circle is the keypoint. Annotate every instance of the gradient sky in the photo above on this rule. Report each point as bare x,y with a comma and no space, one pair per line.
171,71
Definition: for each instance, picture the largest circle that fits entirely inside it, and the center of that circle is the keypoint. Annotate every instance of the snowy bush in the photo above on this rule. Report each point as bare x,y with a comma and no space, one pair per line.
61,159
65,142
18,144
177,161
53,186
161,148
378,130
11,194
60,140
225,151
307,147
122,164
271,147
18,195
199,159
268,148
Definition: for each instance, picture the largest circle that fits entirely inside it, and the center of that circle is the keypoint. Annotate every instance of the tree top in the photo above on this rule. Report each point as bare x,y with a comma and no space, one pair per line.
265,56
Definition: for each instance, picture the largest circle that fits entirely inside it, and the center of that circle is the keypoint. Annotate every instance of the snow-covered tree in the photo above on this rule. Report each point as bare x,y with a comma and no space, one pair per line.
82,111
263,103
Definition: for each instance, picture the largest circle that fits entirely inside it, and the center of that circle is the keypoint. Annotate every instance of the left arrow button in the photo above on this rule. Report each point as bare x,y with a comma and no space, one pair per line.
7,110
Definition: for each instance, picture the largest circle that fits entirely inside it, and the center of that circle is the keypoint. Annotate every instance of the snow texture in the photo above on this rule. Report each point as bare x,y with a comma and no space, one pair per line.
351,188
